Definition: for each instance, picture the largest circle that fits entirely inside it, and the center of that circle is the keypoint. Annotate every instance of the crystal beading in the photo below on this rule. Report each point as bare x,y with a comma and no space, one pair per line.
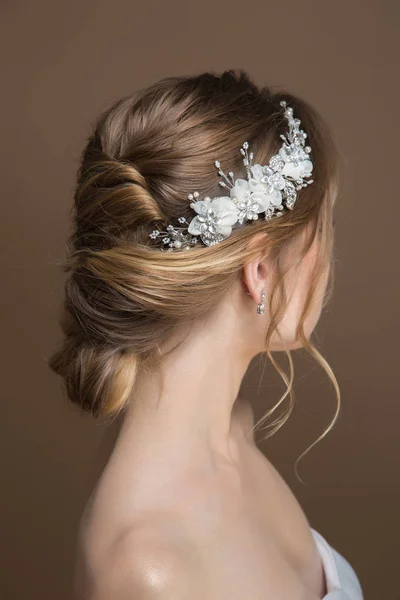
268,189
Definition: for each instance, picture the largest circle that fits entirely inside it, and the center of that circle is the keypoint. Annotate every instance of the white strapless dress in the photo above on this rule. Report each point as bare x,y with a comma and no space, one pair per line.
341,580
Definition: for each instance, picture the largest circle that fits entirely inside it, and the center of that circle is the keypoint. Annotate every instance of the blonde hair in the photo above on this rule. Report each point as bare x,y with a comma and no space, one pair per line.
145,154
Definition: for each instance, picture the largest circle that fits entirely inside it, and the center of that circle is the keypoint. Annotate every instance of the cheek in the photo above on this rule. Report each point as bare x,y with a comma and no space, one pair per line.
317,303
315,309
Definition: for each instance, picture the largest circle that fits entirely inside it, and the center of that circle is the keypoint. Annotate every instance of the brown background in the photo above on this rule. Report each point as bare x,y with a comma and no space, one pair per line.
61,64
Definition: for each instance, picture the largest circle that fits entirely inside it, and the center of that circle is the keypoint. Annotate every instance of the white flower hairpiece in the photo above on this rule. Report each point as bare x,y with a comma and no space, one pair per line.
264,191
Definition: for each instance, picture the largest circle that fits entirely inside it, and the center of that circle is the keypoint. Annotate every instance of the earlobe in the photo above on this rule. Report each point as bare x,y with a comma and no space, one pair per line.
254,280
254,272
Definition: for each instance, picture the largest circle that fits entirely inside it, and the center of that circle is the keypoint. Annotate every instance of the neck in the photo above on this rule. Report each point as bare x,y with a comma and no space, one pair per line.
184,407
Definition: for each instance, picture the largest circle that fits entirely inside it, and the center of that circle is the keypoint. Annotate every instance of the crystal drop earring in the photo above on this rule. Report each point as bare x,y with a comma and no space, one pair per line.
260,305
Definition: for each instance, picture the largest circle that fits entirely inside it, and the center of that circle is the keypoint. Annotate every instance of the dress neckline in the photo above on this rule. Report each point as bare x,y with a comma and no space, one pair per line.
341,580
332,578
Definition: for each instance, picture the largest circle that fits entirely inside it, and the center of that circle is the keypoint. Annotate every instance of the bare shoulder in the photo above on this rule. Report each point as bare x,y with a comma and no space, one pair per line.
149,563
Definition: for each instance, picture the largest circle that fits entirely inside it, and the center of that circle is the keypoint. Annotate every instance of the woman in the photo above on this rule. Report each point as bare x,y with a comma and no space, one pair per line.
175,284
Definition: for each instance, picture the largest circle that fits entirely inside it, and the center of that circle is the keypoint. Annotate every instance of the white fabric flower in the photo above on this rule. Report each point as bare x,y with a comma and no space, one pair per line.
271,180
303,169
250,199
215,217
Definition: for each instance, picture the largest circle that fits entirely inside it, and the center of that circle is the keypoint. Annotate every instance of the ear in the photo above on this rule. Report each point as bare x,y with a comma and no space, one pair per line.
255,272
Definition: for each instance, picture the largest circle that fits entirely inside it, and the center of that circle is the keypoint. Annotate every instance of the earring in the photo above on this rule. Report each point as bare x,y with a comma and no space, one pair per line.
260,305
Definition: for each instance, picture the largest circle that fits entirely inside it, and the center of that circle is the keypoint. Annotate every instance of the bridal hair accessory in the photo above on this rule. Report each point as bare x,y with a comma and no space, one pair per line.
261,305
264,191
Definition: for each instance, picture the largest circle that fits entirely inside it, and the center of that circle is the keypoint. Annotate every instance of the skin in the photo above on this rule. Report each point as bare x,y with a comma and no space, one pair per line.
187,506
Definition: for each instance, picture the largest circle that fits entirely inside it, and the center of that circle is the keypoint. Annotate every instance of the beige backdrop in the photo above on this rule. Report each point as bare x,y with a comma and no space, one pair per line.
61,64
